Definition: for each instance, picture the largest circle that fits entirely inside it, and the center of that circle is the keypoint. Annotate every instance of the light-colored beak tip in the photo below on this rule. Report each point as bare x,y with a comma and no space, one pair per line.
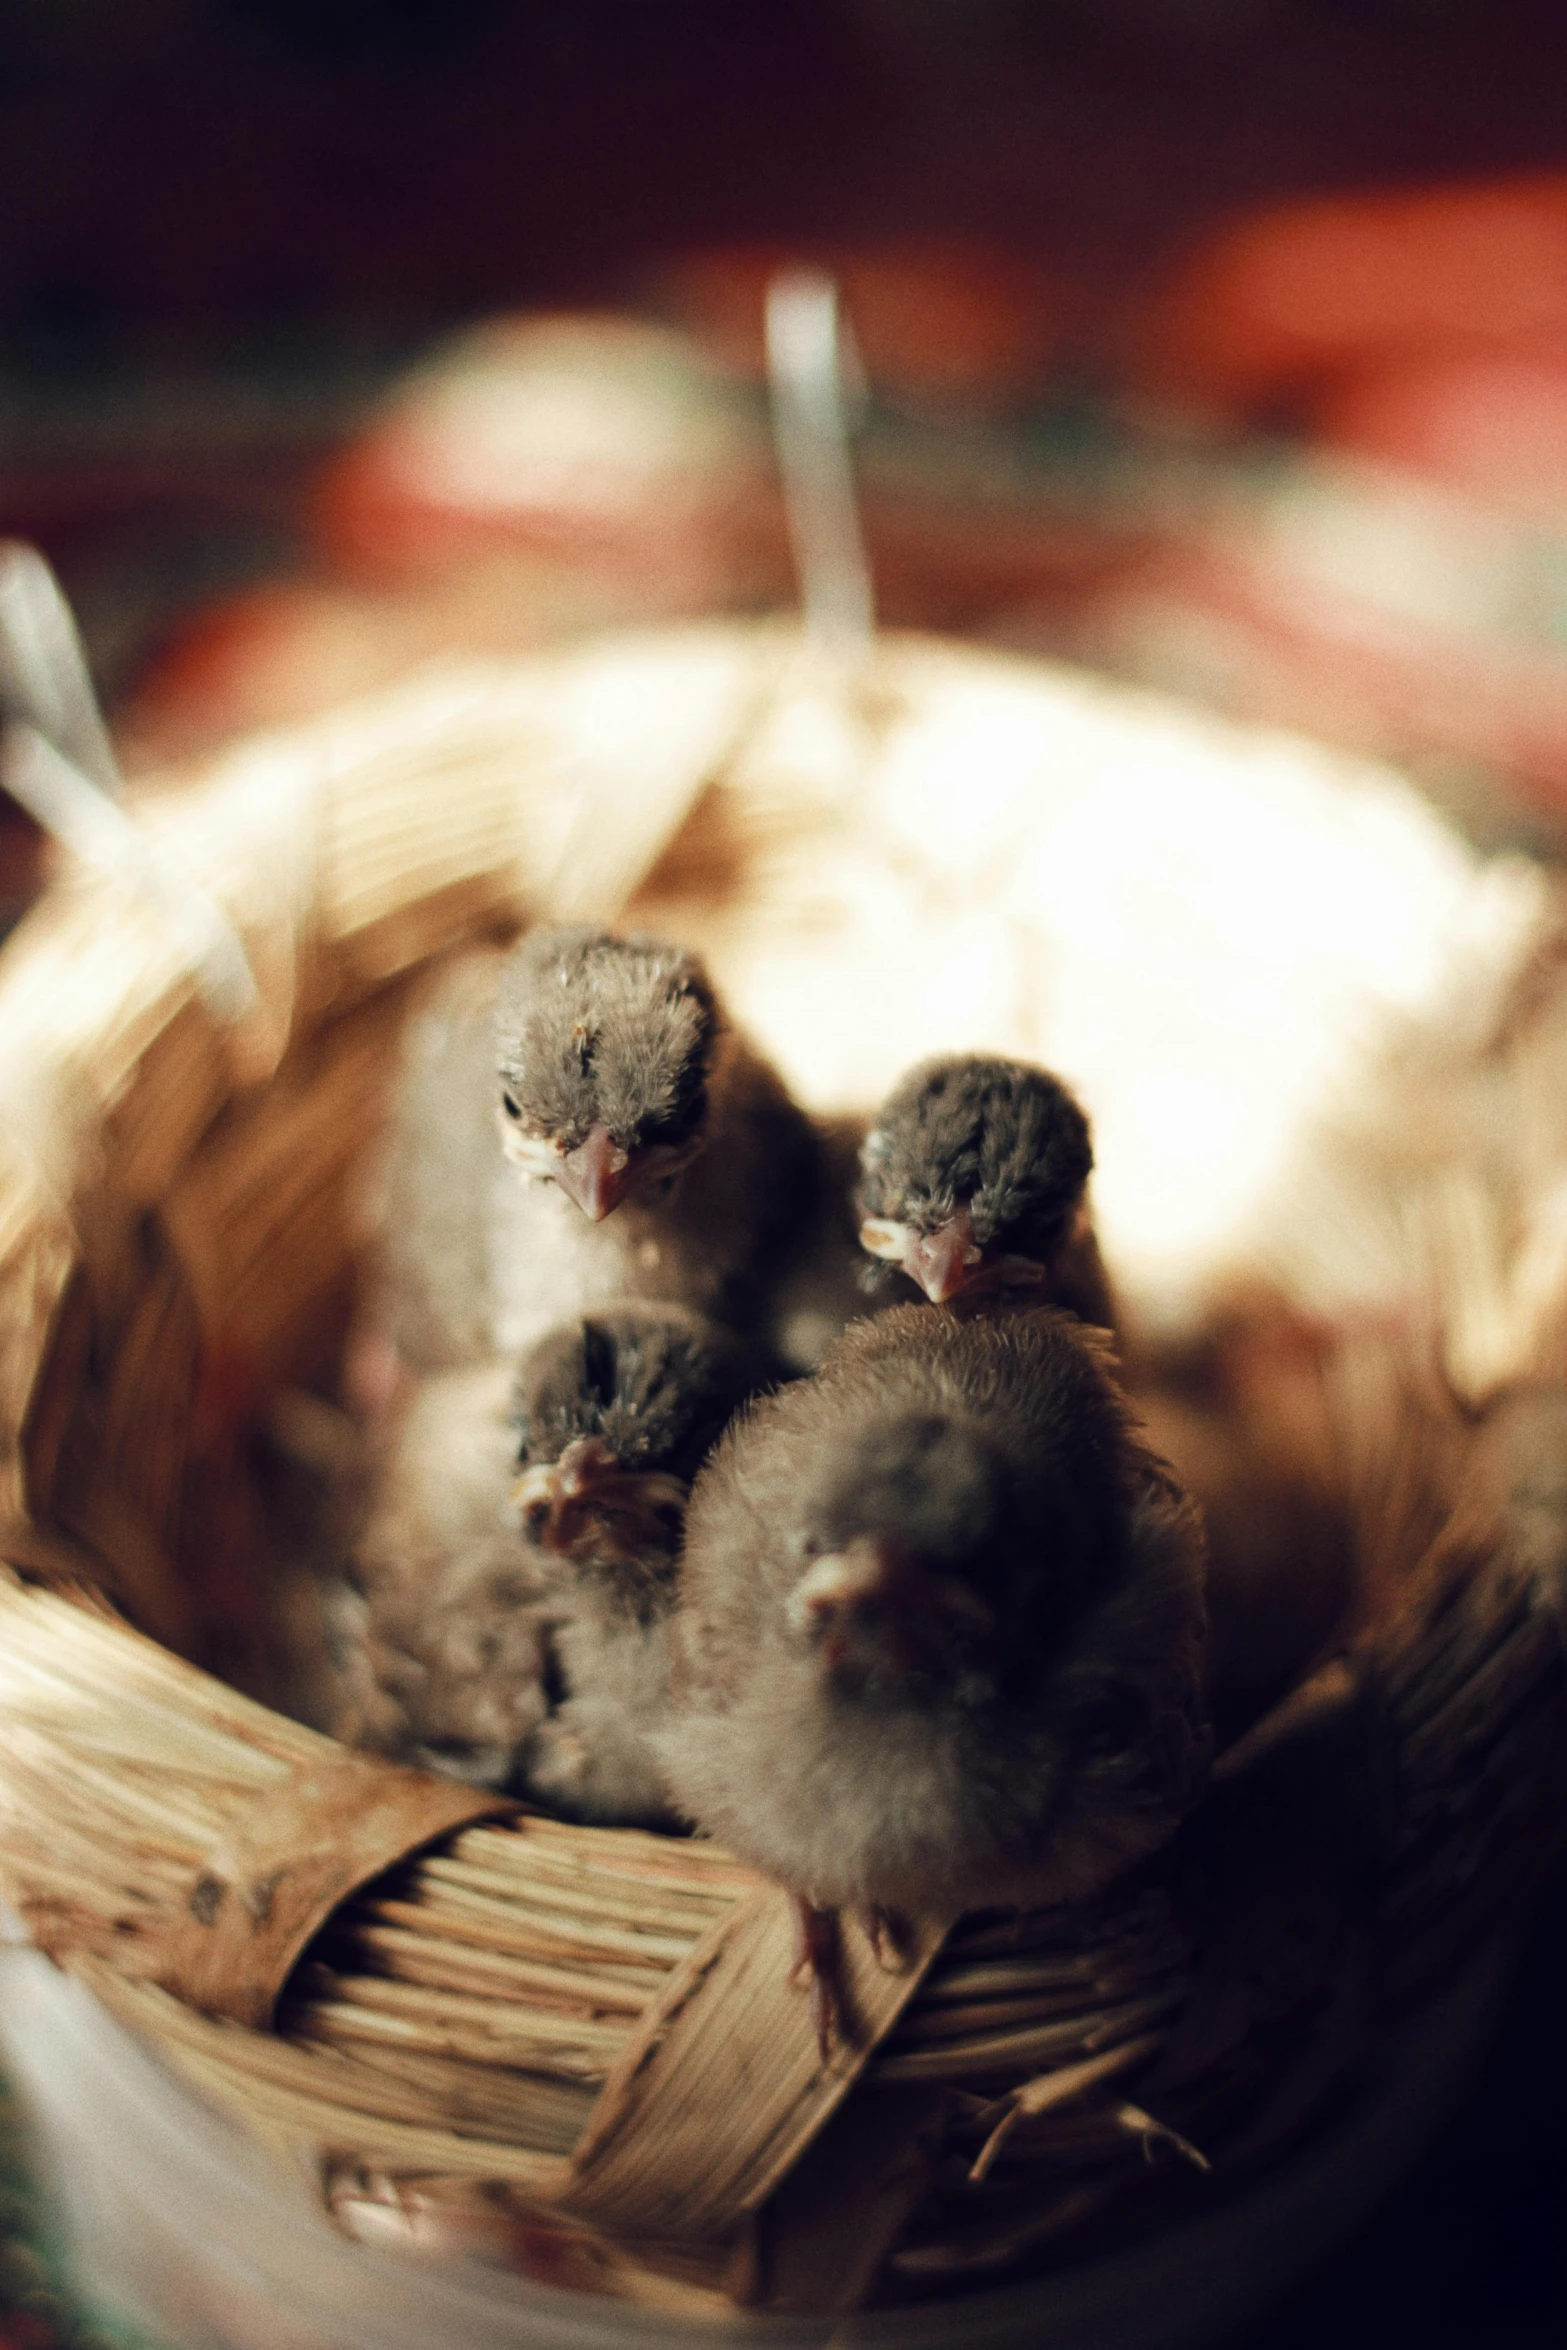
533,1487
943,1262
584,1465
559,1489
597,1175
836,1582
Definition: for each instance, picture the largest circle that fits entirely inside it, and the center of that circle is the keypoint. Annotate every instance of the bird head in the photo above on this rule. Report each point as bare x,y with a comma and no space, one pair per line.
902,1539
614,1416
589,1505
604,1048
971,1174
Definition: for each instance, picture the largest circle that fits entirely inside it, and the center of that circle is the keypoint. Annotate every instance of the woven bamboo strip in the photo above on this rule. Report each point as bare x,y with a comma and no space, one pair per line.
685,1873
643,785
970,2039
421,2001
476,2031
119,1810
621,1851
684,1870
326,2074
138,1731
151,1127
554,1945
57,1883
552,1927
978,2020
430,1921
53,1708
37,1262
632,1935
297,2118
533,2110
88,993
997,1978
660,2157
826,2231
1423,1675
1020,2052
145,1434
1146,1928
593,821
348,2024
474,1913
274,1190
79,1692
104,1657
1476,1715
375,824
396,2050
422,1957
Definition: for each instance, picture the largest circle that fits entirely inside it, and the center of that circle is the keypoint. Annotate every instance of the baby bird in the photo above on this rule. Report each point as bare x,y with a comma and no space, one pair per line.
437,1628
577,1125
476,1596
973,1179
940,1634
616,1414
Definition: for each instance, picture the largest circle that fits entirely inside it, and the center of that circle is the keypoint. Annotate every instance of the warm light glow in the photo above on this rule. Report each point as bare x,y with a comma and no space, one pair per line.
1205,929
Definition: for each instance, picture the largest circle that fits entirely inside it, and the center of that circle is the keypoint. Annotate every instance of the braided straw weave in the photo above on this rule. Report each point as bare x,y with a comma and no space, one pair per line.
577,2050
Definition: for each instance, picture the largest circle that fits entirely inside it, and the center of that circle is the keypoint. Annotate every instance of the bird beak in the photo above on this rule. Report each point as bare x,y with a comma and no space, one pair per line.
839,1582
918,1603
589,1482
537,1488
566,1489
597,1174
583,1467
944,1262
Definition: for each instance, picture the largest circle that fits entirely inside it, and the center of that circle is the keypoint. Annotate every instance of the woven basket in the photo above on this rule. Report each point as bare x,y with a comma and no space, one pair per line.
575,2051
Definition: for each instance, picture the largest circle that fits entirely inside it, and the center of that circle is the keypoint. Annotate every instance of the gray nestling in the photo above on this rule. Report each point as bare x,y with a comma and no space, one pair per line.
973,1179
940,1635
615,1415
604,1049
575,1125
437,1625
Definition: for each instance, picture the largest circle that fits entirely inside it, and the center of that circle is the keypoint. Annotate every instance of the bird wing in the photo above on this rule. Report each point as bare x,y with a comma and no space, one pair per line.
737,1572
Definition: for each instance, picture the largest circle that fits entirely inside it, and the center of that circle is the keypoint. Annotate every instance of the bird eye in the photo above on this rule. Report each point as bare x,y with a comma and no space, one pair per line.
536,1517
511,1105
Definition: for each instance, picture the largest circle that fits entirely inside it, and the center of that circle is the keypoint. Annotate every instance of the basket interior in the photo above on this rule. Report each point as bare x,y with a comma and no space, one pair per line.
1262,968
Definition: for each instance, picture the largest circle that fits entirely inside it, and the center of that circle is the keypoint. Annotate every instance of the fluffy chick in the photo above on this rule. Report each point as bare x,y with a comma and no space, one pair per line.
973,1179
576,1124
515,1549
437,1629
940,1634
616,1414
